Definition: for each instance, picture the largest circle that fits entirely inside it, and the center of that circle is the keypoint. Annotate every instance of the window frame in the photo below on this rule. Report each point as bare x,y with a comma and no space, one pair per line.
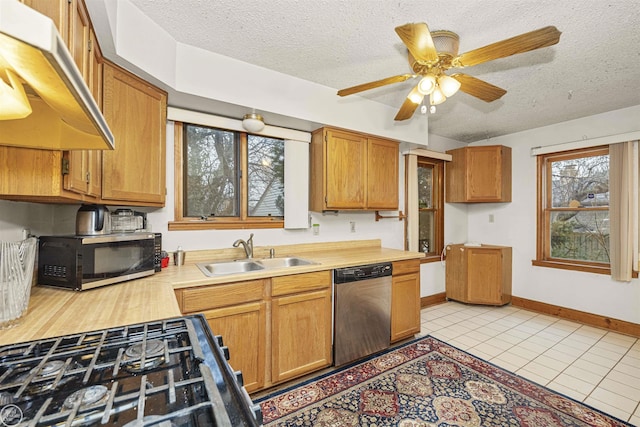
437,198
544,211
242,221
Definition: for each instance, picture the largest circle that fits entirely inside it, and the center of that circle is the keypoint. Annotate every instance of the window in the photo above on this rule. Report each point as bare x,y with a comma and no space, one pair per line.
573,210
425,192
227,179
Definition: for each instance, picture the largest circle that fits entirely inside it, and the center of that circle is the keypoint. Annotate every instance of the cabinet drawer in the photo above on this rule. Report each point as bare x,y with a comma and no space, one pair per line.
284,285
406,267
208,297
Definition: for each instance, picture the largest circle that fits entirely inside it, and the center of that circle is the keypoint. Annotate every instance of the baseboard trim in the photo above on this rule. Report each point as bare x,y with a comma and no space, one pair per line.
590,319
433,299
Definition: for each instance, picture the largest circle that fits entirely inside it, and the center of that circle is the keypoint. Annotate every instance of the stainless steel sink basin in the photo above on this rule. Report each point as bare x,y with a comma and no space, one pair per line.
228,267
220,268
290,261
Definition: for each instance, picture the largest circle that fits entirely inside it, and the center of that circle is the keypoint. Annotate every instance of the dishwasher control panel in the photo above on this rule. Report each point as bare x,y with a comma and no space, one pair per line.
362,272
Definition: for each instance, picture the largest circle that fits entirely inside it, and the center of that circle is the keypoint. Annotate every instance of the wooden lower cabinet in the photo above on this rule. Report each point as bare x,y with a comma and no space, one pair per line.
479,275
276,329
243,331
405,299
301,334
300,324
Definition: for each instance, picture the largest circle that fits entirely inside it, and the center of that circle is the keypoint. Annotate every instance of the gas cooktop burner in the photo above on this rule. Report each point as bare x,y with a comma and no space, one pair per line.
49,368
144,355
86,397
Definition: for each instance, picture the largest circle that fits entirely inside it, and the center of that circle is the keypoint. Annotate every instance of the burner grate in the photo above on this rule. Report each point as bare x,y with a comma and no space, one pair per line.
142,374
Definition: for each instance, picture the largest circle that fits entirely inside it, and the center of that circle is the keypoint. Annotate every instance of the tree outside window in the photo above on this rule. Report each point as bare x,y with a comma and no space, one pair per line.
574,207
228,179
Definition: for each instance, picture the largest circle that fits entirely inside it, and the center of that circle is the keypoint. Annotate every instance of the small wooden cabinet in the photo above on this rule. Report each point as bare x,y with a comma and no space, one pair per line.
237,312
300,324
352,171
136,111
405,299
479,275
479,174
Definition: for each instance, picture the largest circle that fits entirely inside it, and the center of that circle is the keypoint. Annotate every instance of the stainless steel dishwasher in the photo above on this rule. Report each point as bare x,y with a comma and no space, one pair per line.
362,311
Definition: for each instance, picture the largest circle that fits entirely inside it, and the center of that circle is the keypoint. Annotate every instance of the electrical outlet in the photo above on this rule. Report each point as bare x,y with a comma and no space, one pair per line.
352,226
491,218
26,233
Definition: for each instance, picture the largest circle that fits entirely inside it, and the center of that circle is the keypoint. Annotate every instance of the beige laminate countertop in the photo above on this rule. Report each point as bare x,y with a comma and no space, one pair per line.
53,312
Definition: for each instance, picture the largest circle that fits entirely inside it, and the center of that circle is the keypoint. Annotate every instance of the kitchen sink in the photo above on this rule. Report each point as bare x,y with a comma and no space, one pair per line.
290,261
220,268
228,267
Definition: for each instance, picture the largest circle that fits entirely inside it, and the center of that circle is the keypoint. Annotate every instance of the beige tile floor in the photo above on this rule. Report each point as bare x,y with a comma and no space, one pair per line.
591,365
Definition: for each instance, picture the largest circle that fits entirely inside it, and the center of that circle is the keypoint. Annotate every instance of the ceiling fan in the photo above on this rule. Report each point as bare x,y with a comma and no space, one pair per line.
431,54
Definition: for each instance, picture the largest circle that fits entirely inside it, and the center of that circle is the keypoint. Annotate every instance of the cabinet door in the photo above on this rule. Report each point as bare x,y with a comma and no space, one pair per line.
345,170
242,328
484,175
382,174
136,113
79,27
485,275
405,306
301,334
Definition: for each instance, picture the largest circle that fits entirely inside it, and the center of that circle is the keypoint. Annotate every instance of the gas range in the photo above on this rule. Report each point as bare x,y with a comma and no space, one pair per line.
165,373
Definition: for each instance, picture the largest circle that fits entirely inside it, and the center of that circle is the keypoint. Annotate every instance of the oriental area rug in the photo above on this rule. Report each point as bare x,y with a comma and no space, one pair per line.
426,383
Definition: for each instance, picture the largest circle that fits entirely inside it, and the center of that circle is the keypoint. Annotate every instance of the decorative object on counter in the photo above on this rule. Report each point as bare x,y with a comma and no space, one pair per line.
17,260
426,382
253,122
93,220
178,256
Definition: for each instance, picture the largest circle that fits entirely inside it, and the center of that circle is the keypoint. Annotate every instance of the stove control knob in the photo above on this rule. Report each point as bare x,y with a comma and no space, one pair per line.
225,351
239,378
219,340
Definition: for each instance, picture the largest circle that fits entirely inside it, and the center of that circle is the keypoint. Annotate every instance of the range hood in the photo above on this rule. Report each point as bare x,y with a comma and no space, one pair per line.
36,66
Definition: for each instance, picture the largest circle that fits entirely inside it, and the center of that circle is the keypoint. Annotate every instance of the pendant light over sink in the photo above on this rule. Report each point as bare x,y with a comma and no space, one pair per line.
253,122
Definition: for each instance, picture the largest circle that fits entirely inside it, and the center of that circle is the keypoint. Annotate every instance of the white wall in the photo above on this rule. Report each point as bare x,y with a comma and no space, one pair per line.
515,223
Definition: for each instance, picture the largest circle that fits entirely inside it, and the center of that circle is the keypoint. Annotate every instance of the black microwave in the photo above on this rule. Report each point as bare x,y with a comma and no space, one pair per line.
86,262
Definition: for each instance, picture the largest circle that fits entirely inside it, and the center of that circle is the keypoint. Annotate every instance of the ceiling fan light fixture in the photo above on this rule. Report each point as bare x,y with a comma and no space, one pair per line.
446,42
448,85
427,84
437,97
253,122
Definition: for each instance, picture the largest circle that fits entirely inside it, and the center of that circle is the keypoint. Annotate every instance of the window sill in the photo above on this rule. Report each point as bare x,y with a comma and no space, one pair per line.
224,224
572,266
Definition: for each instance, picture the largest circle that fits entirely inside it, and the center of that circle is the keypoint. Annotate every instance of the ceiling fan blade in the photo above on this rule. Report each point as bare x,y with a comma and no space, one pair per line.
526,42
408,106
418,40
372,85
478,88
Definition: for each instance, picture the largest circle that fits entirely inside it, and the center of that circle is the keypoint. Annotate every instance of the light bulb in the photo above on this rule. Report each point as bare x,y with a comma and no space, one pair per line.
448,85
432,109
427,84
416,97
423,109
437,97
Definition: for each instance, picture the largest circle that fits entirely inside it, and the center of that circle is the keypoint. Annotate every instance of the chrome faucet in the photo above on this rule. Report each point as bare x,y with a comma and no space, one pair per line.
248,245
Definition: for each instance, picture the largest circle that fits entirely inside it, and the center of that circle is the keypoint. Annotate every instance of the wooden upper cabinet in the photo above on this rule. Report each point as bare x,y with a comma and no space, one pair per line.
136,111
382,174
352,171
79,30
479,174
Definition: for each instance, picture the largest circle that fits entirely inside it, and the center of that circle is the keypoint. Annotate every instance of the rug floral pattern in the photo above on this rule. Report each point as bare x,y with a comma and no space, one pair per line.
426,383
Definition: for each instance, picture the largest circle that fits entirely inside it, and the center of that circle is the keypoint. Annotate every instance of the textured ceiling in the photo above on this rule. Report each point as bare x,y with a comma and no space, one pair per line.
339,43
